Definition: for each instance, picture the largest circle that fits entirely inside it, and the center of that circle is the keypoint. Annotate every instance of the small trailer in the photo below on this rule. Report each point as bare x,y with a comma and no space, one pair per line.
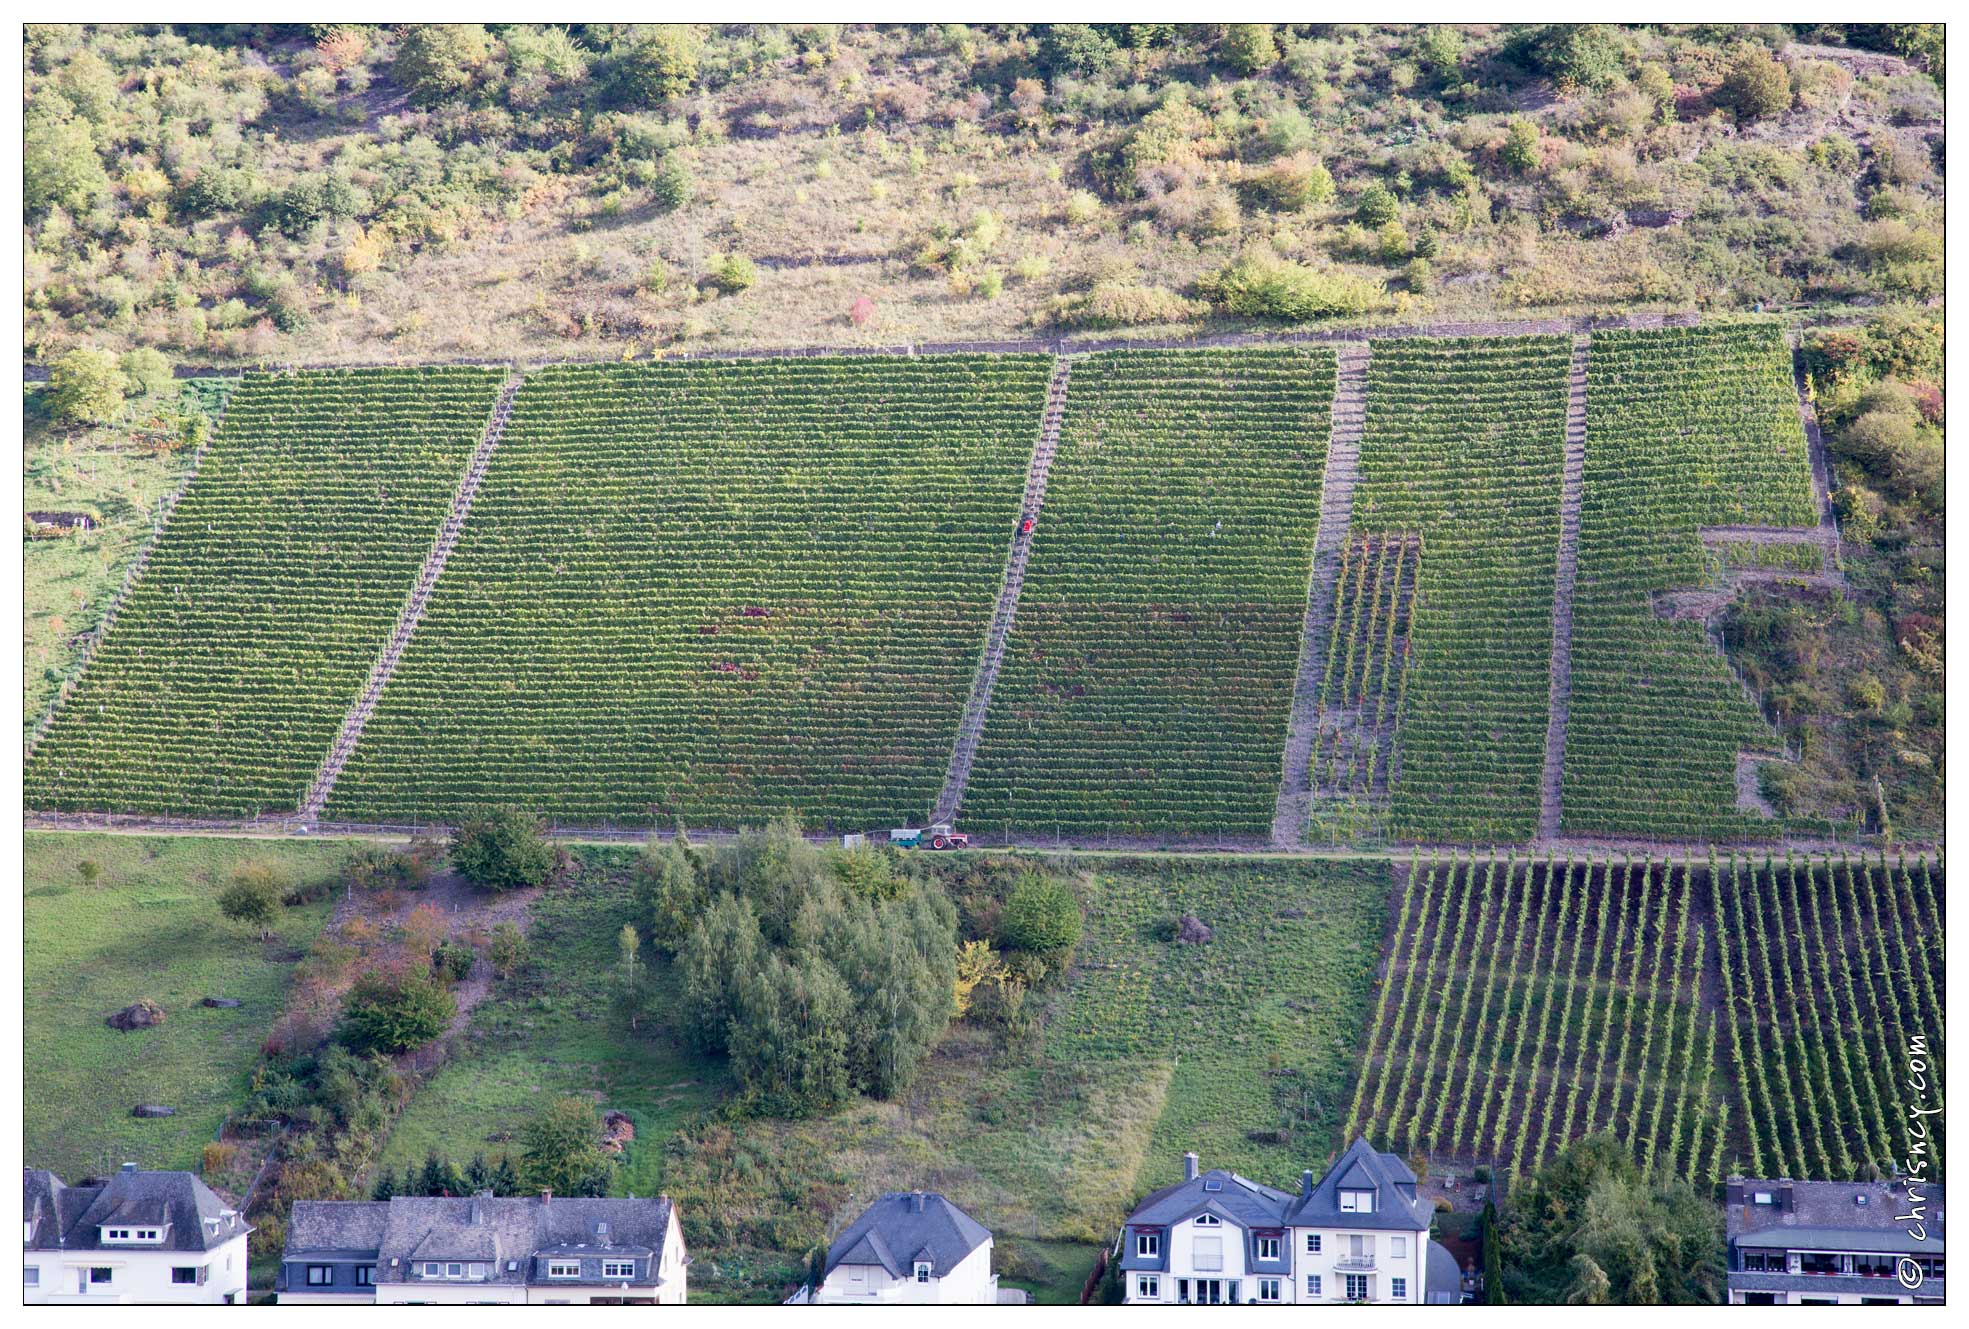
940,836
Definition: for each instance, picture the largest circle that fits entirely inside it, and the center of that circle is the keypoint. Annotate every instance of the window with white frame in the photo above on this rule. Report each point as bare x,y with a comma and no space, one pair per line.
922,1271
475,1271
1148,1245
1312,1285
1359,1247
1268,1289
1148,1287
433,1270
1209,1220
454,1270
1268,1248
1312,1243
1398,1288
321,1275
618,1268
184,1273
563,1268
1398,1247
1356,1202
1356,1287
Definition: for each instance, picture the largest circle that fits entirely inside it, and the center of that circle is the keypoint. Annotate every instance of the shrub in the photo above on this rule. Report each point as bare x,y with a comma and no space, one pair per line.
1418,276
1041,917
1076,48
252,896
1082,207
438,61
501,849
733,274
1291,184
661,66
1376,207
61,168
1758,84
507,949
1574,55
1121,304
1521,146
1259,284
673,185
146,373
385,1013
85,387
453,961
561,1150
1249,48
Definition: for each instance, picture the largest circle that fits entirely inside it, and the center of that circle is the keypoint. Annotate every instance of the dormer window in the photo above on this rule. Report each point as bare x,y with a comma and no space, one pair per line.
618,1268
563,1268
922,1271
1761,1197
1148,1245
1356,1202
133,1235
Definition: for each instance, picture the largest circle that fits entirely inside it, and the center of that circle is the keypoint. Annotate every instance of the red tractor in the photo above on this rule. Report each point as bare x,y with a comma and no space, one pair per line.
1025,527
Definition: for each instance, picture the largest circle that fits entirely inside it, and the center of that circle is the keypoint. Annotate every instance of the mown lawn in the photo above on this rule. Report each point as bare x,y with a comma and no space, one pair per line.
147,927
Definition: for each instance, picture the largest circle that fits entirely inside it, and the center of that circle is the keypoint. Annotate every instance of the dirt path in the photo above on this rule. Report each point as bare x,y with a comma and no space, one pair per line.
1343,451
1559,706
413,609
971,726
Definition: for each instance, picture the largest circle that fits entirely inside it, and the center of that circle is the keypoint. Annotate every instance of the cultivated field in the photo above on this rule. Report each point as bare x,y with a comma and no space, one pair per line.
1149,675
1685,428
713,591
1436,676
147,927
1752,1014
237,654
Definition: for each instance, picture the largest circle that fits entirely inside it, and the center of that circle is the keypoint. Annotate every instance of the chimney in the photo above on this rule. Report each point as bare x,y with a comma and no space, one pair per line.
1189,1166
1306,1184
129,1169
1787,1198
545,1195
916,1201
477,1212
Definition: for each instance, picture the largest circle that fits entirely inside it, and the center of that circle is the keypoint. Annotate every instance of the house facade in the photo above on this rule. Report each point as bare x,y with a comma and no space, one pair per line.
1833,1243
139,1237
482,1250
1359,1234
910,1248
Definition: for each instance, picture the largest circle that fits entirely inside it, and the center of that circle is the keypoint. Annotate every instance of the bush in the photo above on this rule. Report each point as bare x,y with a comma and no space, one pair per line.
507,949
438,61
673,186
146,373
501,849
561,1150
85,387
252,895
1041,917
1520,151
1291,184
1120,304
385,1013
1574,55
1758,84
733,274
1249,48
1259,284
661,66
453,961
1376,207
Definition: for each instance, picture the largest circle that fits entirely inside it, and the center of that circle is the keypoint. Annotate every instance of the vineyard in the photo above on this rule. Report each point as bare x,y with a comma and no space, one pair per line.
234,658
1747,1014
712,591
1147,682
1461,453
1686,428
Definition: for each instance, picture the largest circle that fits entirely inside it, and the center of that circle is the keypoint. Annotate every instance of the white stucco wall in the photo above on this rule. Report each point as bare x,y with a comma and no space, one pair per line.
971,1283
138,1276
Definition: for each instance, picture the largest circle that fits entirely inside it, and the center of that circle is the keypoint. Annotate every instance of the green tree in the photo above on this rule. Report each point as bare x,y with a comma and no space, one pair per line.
1439,49
506,949
670,894
1520,151
561,1150
146,373
1376,207
1041,916
60,167
1574,55
436,62
1758,84
394,1013
659,65
1249,48
501,849
672,186
725,944
1589,1228
89,870
1077,49
789,1047
85,387
252,896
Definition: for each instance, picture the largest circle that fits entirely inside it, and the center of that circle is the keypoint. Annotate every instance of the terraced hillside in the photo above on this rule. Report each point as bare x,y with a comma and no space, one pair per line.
235,657
1461,455
713,591
1751,1014
1685,428
1148,679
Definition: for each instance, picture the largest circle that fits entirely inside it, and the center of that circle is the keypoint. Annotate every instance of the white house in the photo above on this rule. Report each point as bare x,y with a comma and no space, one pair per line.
481,1250
138,1237
910,1247
1358,1234
1833,1243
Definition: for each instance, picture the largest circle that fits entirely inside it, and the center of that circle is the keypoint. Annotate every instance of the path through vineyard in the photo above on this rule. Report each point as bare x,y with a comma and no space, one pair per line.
1343,452
972,724
1560,706
413,609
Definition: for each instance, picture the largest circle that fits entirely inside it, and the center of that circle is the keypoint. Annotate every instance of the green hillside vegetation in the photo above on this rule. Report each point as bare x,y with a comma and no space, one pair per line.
146,926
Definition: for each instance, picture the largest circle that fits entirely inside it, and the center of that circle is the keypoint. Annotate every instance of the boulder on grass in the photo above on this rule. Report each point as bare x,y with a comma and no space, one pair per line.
220,1003
1191,931
152,1110
137,1015
617,1131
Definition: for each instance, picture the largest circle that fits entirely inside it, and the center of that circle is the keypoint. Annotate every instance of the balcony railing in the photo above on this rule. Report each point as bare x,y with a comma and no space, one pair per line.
1355,1264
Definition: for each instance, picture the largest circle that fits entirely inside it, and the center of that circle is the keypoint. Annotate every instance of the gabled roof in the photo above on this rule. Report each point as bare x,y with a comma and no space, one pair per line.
1233,1198
71,1217
922,1223
1397,1207
411,1229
